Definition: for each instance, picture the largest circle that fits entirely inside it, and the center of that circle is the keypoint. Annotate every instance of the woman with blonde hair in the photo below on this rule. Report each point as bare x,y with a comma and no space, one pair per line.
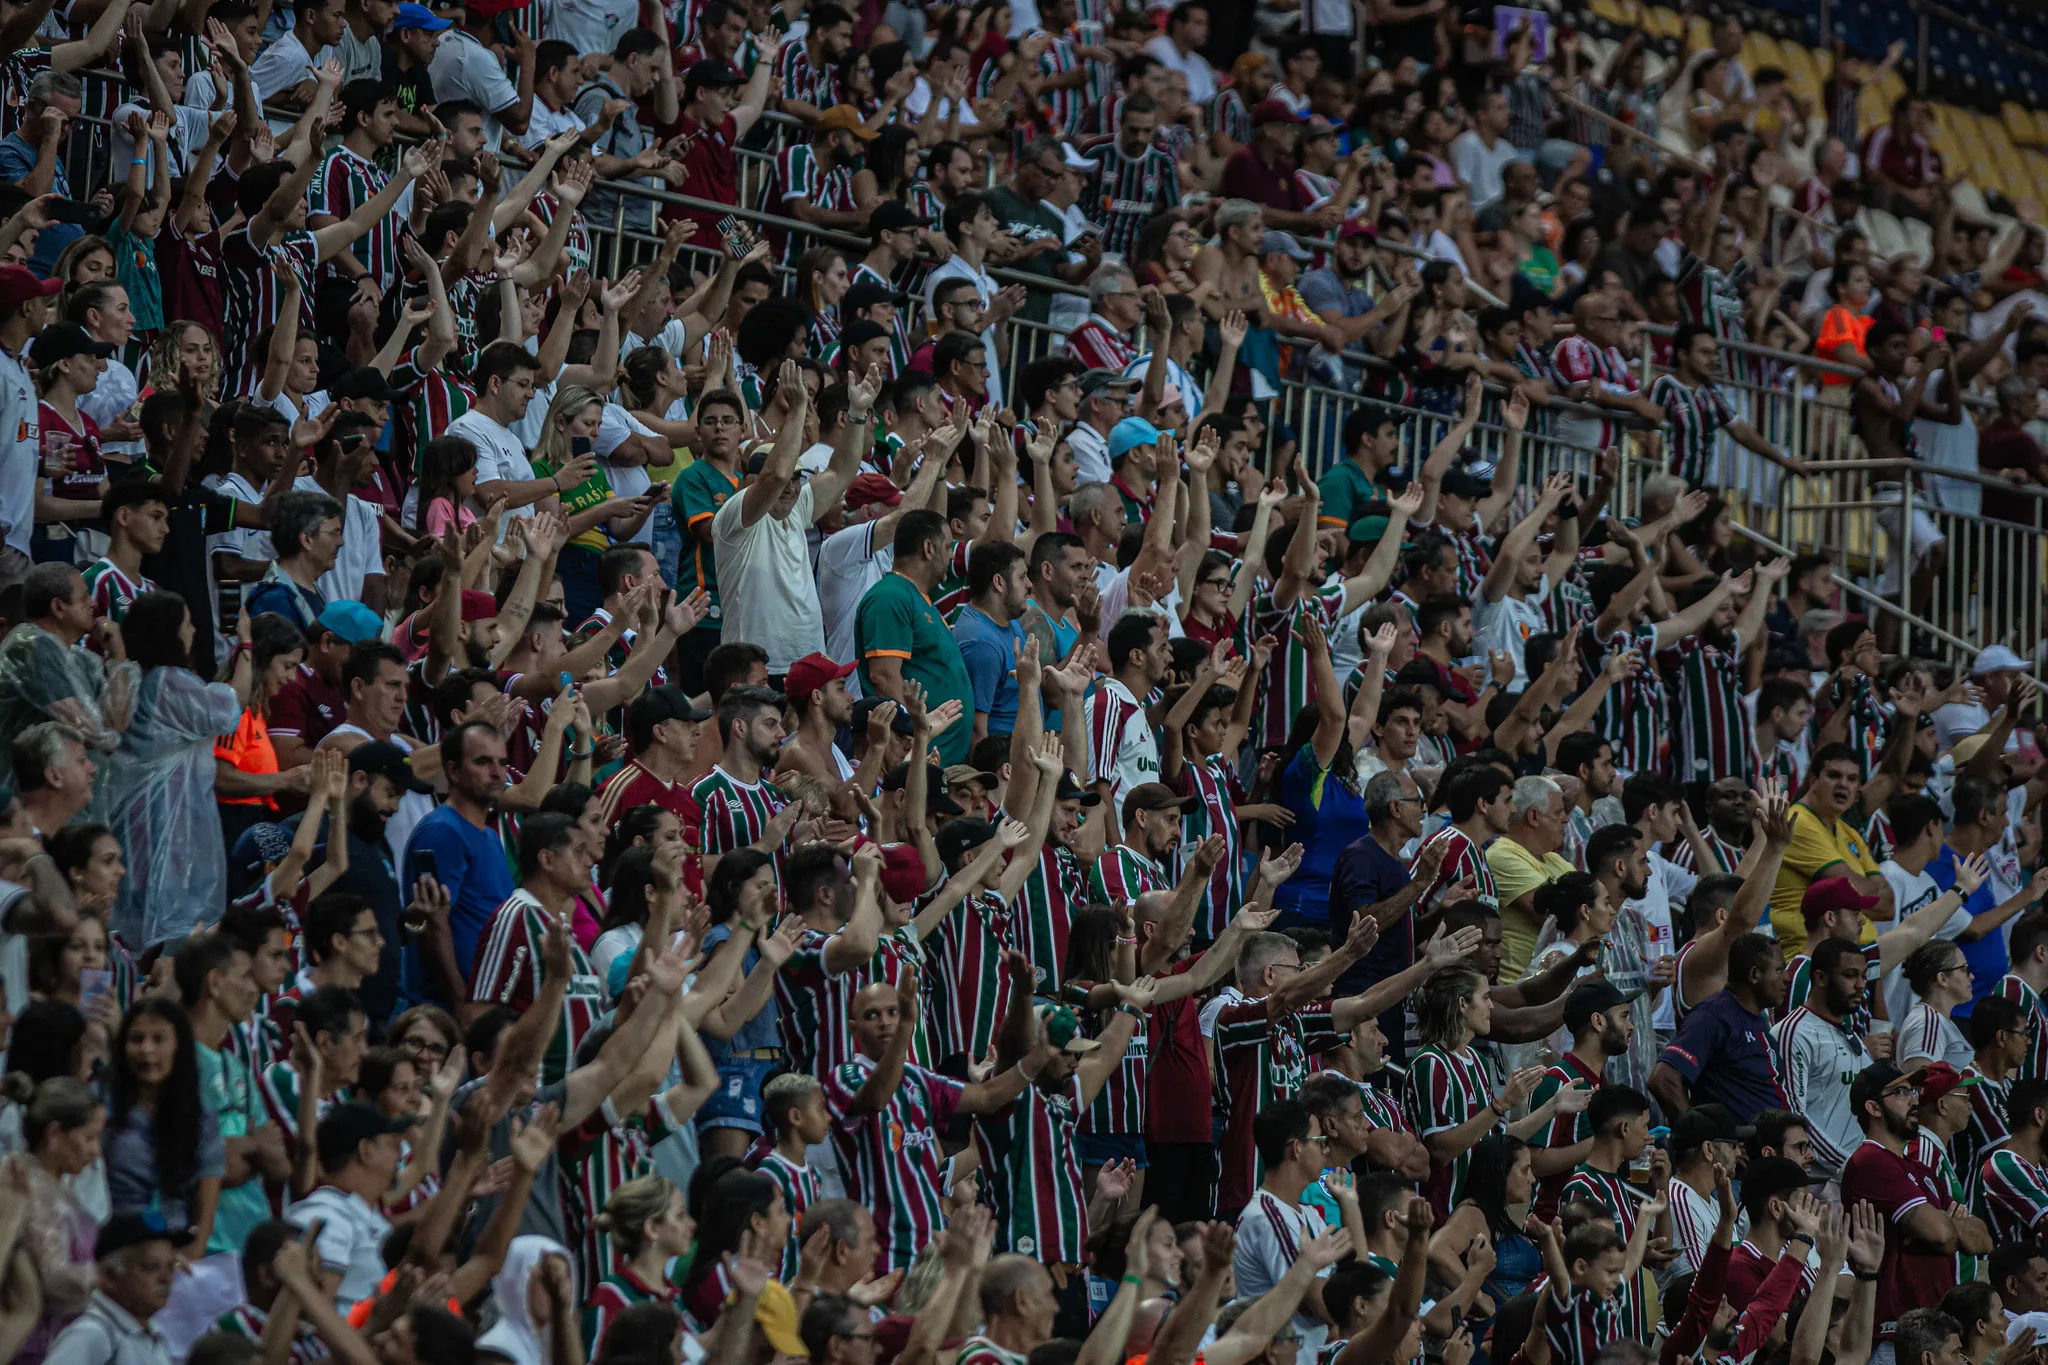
649,1227
598,517
821,282
189,345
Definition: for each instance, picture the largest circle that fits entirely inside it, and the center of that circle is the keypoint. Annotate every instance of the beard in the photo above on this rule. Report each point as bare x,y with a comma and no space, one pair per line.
1901,1128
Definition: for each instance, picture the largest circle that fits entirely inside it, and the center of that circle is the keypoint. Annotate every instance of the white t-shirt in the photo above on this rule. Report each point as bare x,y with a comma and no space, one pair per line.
765,583
1135,760
589,26
499,455
20,442
1201,76
1480,166
362,545
189,127
1091,454
1508,624
1270,1233
464,68
351,1236
110,400
545,123
282,65
614,429
920,98
1668,883
849,563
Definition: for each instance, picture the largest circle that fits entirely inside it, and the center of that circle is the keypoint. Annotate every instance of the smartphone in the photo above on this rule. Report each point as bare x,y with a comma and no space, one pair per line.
70,211
93,983
581,445
425,864
1940,334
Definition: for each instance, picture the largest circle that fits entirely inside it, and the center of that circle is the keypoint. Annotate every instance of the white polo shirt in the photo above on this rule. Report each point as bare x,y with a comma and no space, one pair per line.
351,1233
20,446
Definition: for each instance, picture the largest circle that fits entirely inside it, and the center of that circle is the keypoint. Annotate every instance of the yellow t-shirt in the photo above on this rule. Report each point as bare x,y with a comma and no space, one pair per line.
1517,872
1815,848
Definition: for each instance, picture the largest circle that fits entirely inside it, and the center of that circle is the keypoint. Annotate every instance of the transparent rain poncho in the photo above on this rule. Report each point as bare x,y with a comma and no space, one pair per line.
42,678
162,805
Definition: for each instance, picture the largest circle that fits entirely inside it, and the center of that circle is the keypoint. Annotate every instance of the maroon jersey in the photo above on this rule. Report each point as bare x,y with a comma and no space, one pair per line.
1910,1276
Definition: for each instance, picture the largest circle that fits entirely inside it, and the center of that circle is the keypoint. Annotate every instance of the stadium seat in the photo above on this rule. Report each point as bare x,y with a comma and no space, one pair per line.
1887,238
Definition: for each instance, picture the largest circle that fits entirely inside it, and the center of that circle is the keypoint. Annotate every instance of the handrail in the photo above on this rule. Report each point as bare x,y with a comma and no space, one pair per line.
1948,15
1863,594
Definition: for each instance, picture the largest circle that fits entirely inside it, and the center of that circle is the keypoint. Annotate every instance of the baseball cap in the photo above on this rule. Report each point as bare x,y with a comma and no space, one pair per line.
345,1126
1271,111
366,381
1063,1030
1095,381
1704,1123
893,215
261,845
872,487
1155,796
1994,659
1772,1177
936,801
1129,434
857,333
1524,296
865,707
812,672
351,620
711,71
867,293
957,838
411,15
1367,530
775,1314
1284,243
1589,999
382,758
1939,1078
967,772
846,119
1460,483
1833,893
19,284
658,704
903,872
478,605
1355,227
124,1230
1070,789
63,340
1875,1081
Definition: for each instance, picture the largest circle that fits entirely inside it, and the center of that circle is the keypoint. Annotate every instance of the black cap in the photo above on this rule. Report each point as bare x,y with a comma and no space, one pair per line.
936,802
711,71
1588,999
1871,1083
62,340
1704,1123
1462,483
658,704
893,215
1524,295
1773,1177
860,332
345,1126
1070,789
124,1230
865,707
364,381
866,293
957,838
382,758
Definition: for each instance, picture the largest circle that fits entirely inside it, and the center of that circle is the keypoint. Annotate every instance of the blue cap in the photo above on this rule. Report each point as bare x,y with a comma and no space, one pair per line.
351,620
418,16
1129,434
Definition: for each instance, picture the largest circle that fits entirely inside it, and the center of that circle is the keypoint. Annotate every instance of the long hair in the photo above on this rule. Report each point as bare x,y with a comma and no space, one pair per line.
730,1206
270,636
1152,237
640,378
734,870
1487,1183
175,1121
1440,1005
443,460
569,402
631,1208
817,261
632,878
884,157
162,358
150,631
1301,736
1091,945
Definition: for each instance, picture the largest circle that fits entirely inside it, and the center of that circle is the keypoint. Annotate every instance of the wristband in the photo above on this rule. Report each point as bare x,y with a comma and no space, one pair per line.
587,753
1132,1279
1126,1007
1800,1237
1861,1276
140,161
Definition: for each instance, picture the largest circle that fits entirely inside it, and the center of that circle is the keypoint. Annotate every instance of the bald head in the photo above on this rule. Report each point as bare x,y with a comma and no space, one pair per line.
1007,1277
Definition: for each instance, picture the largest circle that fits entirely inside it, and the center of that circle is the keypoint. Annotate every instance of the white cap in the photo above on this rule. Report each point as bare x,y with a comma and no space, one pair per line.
1996,659
1074,158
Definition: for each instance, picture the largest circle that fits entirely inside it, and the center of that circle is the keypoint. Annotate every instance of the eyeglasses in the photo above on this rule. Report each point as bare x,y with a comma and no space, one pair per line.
1213,583
719,422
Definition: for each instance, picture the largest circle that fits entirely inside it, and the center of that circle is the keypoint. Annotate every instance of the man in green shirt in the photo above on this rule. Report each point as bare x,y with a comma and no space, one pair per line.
699,491
1019,206
900,638
1372,445
213,977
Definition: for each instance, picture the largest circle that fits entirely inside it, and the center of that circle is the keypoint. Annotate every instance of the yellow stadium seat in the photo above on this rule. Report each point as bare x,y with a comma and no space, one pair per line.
2018,122
1699,34
2041,127
1616,11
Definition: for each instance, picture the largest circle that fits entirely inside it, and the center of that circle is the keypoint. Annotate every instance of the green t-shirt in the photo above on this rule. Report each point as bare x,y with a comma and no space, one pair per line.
1345,491
895,620
696,495
226,1088
1541,268
592,492
1028,223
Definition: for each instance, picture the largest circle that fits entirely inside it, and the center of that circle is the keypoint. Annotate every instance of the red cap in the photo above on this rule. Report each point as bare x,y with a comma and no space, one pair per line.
19,284
1271,111
1938,1078
871,488
478,605
1355,227
903,873
1833,893
812,672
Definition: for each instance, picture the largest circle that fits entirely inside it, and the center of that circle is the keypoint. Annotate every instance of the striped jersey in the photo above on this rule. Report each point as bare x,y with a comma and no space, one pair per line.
1927,1032
344,183
1564,1130
1579,361
112,591
1097,344
1122,749
604,1153
1445,1089
250,306
1129,191
1580,1323
1693,419
246,1320
1123,874
1931,1152
971,989
1817,1061
797,176
1474,559
815,1006
1611,1192
736,813
797,77
2034,1065
1045,912
892,1159
613,1295
2014,1195
1711,737
1988,1124
509,972
431,400
1383,1109
1287,684
1799,986
1712,297
1212,781
1633,715
982,1351
1260,1060
799,1186
1034,1173
278,1086
1463,859
899,327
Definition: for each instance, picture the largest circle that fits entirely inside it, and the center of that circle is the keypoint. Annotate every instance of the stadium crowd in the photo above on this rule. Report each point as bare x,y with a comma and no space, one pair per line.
680,687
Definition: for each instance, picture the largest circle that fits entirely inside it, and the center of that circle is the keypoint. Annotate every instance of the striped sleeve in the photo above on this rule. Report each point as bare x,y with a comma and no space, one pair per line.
1802,1087
1692,1232
499,960
2014,1189
1107,715
1429,1091
279,1087
721,832
1919,1035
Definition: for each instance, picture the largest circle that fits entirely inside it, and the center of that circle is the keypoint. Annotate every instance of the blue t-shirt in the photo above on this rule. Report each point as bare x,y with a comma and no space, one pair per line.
471,866
1367,874
1724,1053
760,1031
990,650
1329,816
1986,955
